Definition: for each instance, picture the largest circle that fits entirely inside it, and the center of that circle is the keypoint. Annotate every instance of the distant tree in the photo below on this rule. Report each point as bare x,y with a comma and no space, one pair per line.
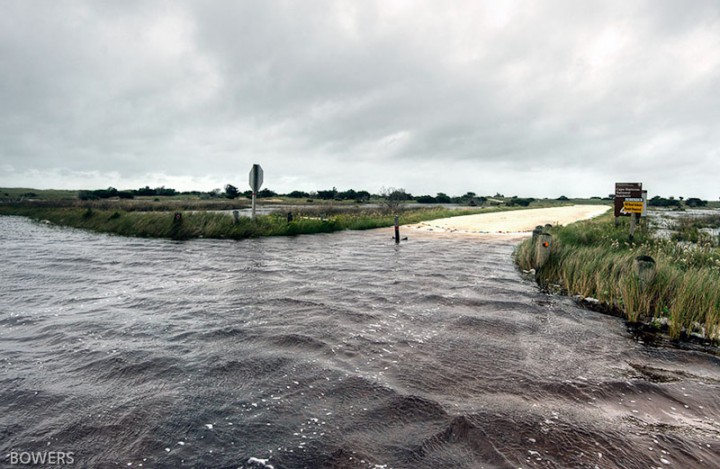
363,196
658,201
298,195
349,194
393,198
442,198
231,191
215,193
266,193
426,199
162,190
517,201
562,197
146,191
695,202
328,194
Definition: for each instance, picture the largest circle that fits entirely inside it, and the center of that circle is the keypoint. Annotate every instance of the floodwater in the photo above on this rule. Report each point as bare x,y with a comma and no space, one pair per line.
338,350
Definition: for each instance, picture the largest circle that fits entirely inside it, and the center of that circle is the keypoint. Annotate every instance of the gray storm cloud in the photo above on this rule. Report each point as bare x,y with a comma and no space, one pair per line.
532,98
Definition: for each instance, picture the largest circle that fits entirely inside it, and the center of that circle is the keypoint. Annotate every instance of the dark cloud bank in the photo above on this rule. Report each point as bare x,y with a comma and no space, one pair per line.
529,98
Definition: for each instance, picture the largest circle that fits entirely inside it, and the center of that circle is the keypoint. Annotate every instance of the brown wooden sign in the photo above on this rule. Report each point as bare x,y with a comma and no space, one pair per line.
623,191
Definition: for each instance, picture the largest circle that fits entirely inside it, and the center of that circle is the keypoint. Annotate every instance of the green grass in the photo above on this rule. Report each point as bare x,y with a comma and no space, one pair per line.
18,193
594,259
196,224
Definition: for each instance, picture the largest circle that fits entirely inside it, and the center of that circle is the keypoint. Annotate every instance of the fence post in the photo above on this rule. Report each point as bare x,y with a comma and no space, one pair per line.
236,216
542,250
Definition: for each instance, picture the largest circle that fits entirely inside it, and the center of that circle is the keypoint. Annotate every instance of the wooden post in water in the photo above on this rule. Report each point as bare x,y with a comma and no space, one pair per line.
236,216
397,229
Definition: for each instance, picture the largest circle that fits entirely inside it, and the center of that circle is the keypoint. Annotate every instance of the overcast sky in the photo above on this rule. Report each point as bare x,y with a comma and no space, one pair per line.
528,98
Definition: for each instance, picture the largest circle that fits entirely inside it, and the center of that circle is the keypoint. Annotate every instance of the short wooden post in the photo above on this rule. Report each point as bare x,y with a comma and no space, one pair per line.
644,270
397,229
236,216
289,217
542,249
536,232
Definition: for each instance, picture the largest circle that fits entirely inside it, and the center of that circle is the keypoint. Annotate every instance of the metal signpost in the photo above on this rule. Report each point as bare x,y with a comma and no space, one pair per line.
256,180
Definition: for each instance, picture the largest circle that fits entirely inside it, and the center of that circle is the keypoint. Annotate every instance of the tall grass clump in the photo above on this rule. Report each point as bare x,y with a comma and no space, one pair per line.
595,259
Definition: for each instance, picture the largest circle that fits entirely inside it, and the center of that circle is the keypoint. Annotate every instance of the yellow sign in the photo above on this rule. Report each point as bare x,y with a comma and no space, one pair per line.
632,207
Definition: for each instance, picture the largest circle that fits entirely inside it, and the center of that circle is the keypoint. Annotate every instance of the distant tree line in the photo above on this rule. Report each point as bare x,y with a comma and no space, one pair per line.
390,196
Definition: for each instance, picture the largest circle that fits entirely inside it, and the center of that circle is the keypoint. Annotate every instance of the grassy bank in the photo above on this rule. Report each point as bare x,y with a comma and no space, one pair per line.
594,259
196,224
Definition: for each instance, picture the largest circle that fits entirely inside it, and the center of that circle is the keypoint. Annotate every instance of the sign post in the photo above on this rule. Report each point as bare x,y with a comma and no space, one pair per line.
629,202
256,180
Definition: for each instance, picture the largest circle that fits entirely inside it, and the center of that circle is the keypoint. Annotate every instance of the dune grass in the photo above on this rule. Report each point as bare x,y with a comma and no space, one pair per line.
594,259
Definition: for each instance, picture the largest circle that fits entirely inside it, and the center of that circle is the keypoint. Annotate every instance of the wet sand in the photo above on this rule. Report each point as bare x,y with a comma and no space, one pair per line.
515,222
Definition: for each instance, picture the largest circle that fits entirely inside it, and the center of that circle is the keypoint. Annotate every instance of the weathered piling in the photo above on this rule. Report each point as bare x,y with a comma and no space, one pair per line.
543,246
397,229
633,224
236,216
644,269
536,232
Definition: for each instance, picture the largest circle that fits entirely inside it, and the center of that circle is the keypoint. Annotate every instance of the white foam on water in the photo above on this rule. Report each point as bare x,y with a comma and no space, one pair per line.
261,462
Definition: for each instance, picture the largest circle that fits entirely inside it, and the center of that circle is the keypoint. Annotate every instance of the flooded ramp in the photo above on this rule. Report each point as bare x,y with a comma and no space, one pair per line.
337,351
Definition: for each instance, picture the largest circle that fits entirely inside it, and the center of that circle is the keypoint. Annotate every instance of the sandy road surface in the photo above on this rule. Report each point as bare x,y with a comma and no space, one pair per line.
516,222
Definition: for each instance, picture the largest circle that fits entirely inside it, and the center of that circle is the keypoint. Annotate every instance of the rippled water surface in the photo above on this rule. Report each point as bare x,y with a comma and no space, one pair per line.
338,350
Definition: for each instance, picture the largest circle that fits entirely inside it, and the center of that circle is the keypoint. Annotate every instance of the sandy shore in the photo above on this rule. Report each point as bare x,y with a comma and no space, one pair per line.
516,222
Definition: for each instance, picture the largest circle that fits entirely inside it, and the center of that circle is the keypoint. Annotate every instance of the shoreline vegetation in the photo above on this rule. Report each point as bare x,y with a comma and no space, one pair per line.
595,262
218,224
152,212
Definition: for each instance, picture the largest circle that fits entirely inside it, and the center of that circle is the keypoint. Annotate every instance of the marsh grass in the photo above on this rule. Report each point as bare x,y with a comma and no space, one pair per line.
213,224
594,259
691,228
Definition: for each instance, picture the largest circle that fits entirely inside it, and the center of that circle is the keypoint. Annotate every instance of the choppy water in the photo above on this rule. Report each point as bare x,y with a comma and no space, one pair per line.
338,350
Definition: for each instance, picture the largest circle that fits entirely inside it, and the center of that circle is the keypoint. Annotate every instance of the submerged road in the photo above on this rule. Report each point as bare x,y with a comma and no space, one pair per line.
339,350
